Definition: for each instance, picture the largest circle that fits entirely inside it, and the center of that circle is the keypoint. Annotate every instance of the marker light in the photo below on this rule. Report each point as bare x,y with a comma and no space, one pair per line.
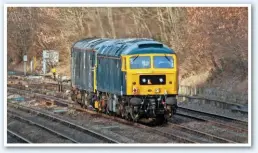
134,90
165,92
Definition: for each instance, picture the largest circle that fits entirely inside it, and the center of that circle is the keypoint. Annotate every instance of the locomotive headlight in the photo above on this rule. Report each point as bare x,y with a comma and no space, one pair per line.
157,90
144,80
161,80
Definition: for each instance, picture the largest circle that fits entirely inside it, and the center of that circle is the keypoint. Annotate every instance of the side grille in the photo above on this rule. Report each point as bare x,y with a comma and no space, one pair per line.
152,79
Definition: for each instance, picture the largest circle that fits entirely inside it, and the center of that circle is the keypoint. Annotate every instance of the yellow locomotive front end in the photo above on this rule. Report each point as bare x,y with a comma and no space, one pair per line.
151,84
151,74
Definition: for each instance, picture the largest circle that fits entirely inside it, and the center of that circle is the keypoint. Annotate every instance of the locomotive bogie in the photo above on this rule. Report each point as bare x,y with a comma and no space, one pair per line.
133,108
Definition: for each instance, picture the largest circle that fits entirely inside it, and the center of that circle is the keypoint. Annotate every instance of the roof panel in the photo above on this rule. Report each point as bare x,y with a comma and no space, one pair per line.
117,47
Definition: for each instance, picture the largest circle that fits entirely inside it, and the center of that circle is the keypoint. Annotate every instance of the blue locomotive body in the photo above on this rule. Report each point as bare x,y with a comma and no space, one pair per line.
133,78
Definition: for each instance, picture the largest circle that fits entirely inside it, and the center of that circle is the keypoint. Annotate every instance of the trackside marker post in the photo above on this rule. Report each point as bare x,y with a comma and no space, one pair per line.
25,63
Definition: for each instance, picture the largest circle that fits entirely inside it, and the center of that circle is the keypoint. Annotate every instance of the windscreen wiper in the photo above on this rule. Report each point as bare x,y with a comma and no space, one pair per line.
135,58
167,58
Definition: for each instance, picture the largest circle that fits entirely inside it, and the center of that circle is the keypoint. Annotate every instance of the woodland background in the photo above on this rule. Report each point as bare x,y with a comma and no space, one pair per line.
211,43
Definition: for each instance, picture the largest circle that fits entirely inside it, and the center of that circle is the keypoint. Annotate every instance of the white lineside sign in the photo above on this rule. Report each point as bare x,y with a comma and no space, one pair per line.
50,59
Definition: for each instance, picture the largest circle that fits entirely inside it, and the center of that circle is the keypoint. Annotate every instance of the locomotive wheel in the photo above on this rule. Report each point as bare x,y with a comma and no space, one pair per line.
122,111
134,115
171,110
174,108
76,99
127,113
73,95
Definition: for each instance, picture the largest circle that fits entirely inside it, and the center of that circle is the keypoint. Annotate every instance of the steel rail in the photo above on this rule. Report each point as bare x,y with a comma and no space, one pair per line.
65,122
120,120
155,130
239,126
16,135
18,117
201,134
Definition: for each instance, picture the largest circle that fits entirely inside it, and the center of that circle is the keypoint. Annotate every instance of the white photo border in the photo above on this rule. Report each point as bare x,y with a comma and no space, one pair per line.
131,145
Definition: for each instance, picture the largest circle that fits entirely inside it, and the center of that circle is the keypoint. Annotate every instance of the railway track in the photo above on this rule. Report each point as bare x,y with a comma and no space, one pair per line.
14,137
69,104
194,114
175,138
177,132
18,121
43,86
193,135
214,125
222,121
57,126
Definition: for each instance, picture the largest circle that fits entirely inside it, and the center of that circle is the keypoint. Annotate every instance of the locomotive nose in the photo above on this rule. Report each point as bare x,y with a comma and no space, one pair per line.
153,84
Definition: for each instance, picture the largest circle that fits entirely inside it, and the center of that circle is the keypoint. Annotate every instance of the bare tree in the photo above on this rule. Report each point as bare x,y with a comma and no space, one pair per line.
21,26
111,22
99,17
205,39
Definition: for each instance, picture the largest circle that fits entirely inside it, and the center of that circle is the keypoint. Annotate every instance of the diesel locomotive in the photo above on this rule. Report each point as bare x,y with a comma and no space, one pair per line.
132,78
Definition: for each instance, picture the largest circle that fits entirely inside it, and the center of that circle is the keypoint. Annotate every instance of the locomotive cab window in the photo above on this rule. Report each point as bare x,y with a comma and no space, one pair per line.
163,62
140,62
